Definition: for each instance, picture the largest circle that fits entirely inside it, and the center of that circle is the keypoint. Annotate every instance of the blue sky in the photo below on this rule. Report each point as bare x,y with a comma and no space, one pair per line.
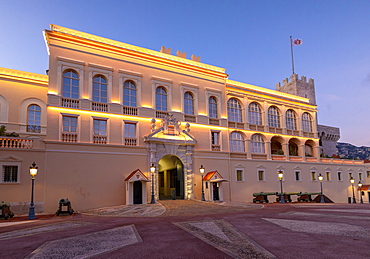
248,38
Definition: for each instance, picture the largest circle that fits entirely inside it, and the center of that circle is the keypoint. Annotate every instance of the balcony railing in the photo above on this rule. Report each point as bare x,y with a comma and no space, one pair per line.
161,114
98,139
190,118
100,107
292,132
17,143
278,157
69,137
256,127
129,110
308,134
214,121
215,147
130,141
239,125
275,130
33,128
70,103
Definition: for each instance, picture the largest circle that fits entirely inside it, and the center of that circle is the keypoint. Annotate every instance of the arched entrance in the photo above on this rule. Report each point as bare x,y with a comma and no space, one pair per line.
171,178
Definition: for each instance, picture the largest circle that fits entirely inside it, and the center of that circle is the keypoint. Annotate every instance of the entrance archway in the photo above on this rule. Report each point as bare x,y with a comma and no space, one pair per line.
171,178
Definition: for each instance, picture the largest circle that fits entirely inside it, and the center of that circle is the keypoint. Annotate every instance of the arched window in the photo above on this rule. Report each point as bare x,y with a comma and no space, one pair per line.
188,103
70,84
213,107
236,142
258,144
306,122
254,114
273,117
34,118
234,110
129,94
291,121
161,99
100,89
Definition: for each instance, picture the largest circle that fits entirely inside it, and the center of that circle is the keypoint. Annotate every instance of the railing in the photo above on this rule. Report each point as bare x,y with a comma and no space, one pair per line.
33,128
214,121
311,159
295,158
98,139
256,127
292,132
239,125
278,157
308,134
18,143
216,147
130,141
275,130
238,155
161,114
190,118
259,156
70,103
129,110
69,137
101,107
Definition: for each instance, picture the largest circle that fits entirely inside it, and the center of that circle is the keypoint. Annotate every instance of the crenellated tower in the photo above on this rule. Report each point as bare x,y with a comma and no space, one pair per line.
300,87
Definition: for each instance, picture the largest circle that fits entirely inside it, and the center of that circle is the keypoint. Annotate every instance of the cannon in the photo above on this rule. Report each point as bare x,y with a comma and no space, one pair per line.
306,196
261,197
287,195
64,203
5,211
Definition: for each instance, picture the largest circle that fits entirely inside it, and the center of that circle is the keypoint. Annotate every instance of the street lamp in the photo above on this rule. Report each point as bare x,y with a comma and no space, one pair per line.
202,170
359,187
33,173
322,195
152,170
280,175
353,190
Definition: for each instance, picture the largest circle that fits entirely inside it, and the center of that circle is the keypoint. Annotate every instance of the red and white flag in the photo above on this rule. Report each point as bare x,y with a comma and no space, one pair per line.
297,42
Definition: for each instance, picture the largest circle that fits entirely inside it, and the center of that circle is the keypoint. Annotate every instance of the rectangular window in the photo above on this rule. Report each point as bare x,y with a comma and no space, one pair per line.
215,140
313,176
69,124
350,175
130,134
327,176
340,176
100,127
368,174
10,174
239,175
360,176
297,175
261,175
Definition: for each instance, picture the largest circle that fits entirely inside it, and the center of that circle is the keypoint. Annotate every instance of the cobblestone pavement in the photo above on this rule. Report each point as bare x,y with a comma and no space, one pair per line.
194,229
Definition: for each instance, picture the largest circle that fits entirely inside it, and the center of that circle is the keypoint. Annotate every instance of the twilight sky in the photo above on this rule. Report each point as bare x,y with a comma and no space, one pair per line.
248,38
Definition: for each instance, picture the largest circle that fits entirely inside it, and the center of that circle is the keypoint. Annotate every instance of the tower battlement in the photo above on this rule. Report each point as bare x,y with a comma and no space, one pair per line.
301,87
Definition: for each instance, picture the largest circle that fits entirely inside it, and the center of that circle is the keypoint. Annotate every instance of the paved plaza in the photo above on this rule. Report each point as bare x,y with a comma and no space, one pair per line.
193,229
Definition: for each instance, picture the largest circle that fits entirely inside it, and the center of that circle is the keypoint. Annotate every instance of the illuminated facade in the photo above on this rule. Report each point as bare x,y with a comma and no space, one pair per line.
107,111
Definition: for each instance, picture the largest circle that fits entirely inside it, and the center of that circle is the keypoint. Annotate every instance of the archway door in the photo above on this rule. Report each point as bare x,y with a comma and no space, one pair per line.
171,178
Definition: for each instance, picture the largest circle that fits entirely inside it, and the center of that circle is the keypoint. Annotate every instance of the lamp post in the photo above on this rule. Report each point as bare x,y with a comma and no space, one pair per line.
322,194
280,175
353,190
33,173
202,170
152,171
359,188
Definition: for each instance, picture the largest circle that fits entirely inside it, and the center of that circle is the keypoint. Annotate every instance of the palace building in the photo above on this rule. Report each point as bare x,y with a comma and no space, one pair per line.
107,111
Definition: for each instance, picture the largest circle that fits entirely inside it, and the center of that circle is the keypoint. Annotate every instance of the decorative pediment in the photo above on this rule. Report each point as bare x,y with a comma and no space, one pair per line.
297,168
261,167
214,176
137,175
10,159
170,132
327,169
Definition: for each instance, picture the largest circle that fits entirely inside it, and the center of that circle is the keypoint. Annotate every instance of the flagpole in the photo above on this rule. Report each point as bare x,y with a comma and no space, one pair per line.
291,51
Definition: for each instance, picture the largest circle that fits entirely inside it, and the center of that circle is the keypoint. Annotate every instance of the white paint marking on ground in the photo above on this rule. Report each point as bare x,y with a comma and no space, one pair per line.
6,224
212,228
316,227
41,229
88,245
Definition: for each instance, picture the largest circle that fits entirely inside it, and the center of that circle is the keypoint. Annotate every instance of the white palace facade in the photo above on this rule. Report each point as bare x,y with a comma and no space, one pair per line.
106,111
